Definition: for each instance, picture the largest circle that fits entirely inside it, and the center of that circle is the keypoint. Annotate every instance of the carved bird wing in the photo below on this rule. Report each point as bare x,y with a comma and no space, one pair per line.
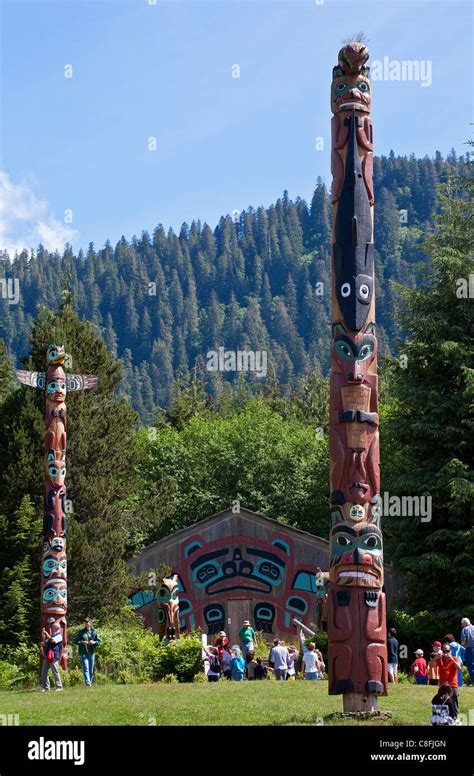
34,379
81,382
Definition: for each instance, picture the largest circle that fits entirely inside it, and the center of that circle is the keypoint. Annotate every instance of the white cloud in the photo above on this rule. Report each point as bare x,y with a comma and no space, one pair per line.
26,221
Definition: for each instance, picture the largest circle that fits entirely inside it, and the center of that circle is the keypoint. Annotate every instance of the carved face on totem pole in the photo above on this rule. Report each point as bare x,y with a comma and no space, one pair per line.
56,385
351,85
354,352
54,565
353,513
168,607
55,597
56,467
356,555
348,92
56,354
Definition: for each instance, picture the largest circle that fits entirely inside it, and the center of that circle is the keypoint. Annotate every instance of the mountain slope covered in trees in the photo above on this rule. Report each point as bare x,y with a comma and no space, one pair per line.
259,282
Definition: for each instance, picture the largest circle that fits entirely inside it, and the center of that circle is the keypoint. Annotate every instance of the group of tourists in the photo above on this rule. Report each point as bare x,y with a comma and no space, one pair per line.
239,662
51,650
443,670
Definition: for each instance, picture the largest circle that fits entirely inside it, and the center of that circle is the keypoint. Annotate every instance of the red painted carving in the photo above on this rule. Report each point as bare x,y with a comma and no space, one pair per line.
356,604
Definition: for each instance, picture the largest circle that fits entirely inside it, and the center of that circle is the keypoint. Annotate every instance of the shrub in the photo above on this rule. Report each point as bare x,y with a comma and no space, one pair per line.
182,658
200,677
10,675
24,660
403,678
170,679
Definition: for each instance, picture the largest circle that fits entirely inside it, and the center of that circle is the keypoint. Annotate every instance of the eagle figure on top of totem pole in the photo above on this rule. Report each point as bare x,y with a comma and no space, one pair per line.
56,383
356,604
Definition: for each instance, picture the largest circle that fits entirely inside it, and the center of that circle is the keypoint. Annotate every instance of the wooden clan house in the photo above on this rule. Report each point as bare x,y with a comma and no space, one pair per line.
236,566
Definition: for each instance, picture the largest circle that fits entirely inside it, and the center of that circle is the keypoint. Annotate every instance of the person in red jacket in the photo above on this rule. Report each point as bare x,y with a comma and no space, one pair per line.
221,642
418,668
448,667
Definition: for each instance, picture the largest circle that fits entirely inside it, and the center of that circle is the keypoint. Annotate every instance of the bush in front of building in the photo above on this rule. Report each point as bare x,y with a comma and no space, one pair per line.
183,658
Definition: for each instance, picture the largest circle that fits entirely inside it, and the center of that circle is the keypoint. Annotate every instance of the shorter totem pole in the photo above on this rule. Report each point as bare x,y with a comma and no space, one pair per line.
168,610
322,595
56,383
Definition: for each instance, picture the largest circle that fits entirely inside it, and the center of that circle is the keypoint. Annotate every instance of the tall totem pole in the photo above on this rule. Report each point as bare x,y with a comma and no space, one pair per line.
356,605
56,383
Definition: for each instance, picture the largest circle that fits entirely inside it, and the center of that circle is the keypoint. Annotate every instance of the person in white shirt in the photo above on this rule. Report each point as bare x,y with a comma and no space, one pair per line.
278,660
312,666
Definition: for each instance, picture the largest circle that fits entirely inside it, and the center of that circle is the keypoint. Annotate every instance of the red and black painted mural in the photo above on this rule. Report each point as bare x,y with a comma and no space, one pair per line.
243,568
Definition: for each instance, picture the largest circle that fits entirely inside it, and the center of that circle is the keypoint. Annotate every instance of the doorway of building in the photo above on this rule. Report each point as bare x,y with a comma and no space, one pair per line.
238,610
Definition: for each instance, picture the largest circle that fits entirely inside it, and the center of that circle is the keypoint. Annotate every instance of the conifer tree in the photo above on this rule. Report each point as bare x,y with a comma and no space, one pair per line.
429,451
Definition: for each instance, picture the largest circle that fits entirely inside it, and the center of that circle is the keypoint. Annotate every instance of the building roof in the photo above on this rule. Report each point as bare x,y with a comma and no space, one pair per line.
228,513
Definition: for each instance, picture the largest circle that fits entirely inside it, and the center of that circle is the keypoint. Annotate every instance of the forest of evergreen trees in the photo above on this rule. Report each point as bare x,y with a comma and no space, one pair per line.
131,486
261,282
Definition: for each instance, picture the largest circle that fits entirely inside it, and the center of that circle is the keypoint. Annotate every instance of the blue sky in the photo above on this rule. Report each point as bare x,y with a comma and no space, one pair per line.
165,70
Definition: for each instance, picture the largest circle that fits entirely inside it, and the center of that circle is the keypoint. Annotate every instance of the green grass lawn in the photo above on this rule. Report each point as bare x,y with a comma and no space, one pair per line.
224,703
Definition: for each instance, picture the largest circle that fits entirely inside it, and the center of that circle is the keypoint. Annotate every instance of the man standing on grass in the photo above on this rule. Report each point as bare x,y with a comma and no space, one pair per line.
247,638
88,640
392,655
52,648
467,641
278,659
448,667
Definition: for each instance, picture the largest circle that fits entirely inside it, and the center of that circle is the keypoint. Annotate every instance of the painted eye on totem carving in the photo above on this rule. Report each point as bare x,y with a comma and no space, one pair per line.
163,592
343,541
364,291
365,352
372,542
341,87
344,350
56,386
174,594
345,290
51,593
363,86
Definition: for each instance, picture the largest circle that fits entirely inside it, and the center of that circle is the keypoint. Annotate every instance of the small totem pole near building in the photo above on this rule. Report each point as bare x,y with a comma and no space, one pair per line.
356,605
56,383
168,609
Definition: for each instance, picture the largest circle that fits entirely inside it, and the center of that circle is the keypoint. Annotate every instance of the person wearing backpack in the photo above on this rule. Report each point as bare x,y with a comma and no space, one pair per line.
51,651
226,658
215,665
443,711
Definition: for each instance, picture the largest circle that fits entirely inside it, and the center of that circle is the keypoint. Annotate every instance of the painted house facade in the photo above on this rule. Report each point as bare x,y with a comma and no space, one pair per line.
240,565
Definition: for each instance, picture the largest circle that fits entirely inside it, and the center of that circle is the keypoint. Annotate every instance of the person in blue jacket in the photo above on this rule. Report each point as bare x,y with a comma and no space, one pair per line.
237,665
